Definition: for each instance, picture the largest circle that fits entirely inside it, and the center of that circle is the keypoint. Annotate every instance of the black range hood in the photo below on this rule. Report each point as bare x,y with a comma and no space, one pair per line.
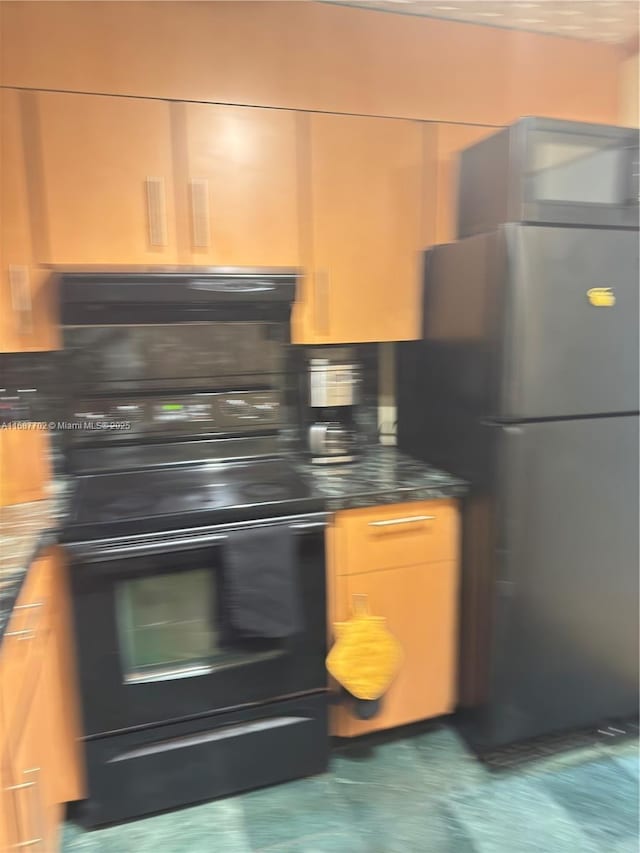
98,297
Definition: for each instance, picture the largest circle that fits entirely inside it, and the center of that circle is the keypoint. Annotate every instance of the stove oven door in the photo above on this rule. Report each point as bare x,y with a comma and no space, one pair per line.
151,639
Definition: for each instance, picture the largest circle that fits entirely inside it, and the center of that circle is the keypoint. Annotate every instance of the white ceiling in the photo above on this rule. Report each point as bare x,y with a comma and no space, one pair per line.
614,21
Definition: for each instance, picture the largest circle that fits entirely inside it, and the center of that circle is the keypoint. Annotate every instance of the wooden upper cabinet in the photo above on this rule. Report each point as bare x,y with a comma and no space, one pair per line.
28,318
451,140
239,184
362,224
15,235
106,182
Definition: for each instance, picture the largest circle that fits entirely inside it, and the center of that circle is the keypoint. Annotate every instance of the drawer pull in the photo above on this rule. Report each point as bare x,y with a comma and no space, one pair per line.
26,633
36,813
408,519
23,633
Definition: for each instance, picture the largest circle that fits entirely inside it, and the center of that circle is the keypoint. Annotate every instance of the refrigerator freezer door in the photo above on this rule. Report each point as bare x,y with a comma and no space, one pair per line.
565,637
570,328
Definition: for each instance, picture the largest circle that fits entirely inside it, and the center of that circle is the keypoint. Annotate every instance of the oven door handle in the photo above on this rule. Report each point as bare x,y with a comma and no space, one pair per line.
116,549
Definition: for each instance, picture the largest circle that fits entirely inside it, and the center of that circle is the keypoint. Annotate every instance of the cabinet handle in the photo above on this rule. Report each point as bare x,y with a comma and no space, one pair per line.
321,302
26,633
156,211
199,189
23,633
409,519
21,297
38,839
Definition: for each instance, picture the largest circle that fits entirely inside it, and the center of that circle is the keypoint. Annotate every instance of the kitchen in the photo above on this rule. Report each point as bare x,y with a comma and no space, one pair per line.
213,269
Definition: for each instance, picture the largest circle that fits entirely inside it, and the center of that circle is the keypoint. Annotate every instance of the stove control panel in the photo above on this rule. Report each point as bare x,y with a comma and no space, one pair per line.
179,414
184,412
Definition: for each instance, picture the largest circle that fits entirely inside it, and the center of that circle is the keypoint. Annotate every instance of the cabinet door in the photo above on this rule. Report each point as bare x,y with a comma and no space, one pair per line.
420,606
61,686
32,777
8,828
106,180
241,184
452,139
28,319
362,226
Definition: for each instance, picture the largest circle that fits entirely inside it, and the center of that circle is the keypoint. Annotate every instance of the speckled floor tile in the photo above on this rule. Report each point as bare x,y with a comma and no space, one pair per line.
284,813
420,792
392,765
326,842
394,820
518,816
630,764
600,796
627,754
445,761
215,826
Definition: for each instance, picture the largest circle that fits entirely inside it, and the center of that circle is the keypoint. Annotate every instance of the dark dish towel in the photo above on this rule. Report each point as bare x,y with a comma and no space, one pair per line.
262,597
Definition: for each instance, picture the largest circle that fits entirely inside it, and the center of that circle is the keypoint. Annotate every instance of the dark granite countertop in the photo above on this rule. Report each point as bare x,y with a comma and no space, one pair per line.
381,475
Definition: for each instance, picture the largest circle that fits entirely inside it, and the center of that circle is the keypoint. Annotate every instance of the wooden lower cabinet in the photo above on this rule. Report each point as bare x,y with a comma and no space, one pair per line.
32,776
419,602
40,766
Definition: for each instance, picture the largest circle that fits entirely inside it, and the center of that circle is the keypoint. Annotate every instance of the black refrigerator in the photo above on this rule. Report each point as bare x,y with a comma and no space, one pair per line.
526,384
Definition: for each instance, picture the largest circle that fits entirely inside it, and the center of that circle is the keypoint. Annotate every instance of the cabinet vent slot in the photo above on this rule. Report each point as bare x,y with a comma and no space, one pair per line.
156,211
200,213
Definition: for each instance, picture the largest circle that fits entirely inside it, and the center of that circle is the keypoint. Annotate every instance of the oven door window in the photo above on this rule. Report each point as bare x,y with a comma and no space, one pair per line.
170,626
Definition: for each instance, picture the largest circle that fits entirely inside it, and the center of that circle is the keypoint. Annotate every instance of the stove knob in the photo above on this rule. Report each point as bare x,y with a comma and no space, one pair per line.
90,417
128,412
237,408
266,410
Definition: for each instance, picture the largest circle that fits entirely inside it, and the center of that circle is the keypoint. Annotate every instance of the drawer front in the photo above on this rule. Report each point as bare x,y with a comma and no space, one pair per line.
395,535
23,644
175,765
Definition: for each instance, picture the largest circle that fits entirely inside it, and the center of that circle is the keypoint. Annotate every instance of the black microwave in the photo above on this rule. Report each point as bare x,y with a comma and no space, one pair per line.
552,172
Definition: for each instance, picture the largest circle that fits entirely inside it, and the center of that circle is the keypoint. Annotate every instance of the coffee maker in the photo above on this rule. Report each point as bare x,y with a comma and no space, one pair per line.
332,378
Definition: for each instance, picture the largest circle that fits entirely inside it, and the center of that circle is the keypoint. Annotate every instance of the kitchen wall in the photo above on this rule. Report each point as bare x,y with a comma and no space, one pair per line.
307,55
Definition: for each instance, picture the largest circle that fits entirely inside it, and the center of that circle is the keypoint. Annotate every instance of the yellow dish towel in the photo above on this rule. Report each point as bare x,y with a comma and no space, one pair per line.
365,656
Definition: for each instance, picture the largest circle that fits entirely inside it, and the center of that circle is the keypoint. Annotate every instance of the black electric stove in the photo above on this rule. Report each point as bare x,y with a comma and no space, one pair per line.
176,411
138,502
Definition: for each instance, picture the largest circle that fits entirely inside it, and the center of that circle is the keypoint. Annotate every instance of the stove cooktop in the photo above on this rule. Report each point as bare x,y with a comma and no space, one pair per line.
114,504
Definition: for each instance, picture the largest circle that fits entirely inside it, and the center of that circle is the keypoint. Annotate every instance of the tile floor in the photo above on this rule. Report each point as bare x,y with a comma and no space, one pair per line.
422,792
